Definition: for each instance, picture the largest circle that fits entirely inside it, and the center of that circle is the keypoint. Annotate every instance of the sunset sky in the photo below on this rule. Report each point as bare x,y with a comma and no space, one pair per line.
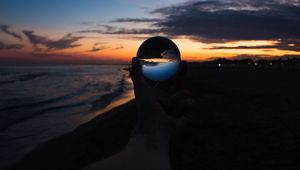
98,31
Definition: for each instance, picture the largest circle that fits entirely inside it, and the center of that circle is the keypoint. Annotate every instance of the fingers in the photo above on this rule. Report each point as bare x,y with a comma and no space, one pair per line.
136,67
141,88
136,70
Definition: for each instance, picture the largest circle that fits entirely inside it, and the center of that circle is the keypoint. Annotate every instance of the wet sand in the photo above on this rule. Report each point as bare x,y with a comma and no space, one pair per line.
246,118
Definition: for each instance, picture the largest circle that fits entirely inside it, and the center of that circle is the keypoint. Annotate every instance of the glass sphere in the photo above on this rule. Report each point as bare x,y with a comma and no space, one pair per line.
159,57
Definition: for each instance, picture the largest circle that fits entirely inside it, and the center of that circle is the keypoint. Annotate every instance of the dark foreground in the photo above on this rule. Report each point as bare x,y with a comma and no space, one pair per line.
246,118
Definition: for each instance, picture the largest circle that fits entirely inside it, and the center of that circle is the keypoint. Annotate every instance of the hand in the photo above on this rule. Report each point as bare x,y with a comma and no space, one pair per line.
136,71
169,110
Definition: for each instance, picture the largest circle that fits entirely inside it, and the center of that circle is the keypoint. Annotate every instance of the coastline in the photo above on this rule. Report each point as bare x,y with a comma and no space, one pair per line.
235,125
125,96
94,140
13,150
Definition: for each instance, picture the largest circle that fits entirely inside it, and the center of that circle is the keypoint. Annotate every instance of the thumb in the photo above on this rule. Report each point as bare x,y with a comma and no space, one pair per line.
136,70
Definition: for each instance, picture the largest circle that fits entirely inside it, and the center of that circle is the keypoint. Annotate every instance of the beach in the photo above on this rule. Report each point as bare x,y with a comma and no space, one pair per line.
245,118
41,102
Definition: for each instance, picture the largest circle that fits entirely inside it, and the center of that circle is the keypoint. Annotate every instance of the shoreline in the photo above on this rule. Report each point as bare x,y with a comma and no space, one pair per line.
52,103
100,131
235,125
126,96
121,95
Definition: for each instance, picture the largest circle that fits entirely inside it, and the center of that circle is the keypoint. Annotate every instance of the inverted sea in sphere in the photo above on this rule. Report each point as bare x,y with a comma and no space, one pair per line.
159,69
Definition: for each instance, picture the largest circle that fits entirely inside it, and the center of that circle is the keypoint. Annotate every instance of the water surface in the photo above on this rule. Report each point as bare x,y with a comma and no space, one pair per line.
38,103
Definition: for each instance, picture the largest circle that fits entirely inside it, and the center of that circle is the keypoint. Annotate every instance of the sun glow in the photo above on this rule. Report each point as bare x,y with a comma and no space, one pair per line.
120,49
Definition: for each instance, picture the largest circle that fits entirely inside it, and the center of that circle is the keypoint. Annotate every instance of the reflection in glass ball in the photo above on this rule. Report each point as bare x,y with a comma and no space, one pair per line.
160,58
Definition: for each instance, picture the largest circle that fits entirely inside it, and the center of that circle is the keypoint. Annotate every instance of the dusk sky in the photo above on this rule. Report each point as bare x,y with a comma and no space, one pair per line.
96,31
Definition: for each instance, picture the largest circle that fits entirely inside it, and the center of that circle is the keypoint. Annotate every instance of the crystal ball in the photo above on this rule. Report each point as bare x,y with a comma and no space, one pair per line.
159,57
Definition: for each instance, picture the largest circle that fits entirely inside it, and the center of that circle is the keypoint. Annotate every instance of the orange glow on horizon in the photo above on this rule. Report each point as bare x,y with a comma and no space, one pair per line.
116,49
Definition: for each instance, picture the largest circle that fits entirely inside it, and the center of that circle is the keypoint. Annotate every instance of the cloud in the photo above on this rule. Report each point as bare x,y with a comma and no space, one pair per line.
242,47
284,44
231,20
289,44
4,46
117,30
65,42
214,21
5,29
134,31
108,28
218,21
97,48
118,48
99,43
91,31
87,23
135,20
103,30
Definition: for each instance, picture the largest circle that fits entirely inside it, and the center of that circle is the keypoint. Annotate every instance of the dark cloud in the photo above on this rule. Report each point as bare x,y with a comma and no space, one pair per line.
108,28
4,46
134,31
289,44
97,48
118,48
286,44
135,20
219,21
242,47
117,30
87,23
92,31
65,42
5,29
105,28
99,43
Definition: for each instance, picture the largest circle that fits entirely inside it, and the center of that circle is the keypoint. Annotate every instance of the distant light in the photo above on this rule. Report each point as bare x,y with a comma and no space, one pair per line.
256,64
249,63
291,45
219,65
271,64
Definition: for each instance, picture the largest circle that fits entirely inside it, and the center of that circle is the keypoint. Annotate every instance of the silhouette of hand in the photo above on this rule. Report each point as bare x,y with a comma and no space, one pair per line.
136,71
168,109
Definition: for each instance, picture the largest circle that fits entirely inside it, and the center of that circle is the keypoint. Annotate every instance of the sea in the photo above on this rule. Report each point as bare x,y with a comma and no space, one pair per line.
39,103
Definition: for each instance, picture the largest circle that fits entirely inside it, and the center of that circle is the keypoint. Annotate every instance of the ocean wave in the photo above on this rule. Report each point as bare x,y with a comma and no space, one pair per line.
49,101
20,78
96,102
32,112
108,98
